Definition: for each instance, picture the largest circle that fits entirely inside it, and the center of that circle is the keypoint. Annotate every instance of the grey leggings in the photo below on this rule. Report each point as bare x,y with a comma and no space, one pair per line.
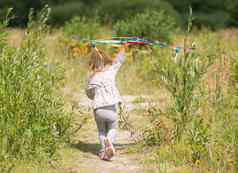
106,120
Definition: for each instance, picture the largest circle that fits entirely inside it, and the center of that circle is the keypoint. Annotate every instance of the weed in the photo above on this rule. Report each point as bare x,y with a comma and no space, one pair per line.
33,122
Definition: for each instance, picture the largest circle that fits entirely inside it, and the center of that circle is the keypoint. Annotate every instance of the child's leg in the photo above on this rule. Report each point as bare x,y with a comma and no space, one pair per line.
102,131
111,136
112,126
106,119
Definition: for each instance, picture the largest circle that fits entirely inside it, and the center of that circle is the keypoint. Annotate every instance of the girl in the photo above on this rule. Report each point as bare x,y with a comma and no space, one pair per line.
105,96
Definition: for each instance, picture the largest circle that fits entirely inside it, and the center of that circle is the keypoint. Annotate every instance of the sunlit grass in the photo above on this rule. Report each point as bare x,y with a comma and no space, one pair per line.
133,81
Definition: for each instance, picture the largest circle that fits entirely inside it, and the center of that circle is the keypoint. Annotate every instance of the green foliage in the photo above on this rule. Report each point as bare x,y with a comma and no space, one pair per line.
20,10
223,142
213,13
63,12
236,148
83,27
3,35
160,131
145,69
211,20
153,134
231,7
209,139
181,76
235,74
33,122
233,130
6,164
198,139
152,137
112,11
150,24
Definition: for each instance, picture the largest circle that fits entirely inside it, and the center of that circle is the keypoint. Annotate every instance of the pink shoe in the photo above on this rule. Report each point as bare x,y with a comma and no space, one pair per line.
103,156
109,149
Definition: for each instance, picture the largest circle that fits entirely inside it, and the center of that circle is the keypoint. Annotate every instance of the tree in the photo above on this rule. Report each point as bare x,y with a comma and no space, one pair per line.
20,9
231,7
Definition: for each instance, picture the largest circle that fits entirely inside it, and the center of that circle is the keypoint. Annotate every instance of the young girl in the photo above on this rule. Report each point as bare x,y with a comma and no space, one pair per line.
105,96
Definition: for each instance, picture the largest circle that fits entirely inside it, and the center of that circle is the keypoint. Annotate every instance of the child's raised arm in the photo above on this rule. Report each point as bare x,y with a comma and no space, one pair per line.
120,57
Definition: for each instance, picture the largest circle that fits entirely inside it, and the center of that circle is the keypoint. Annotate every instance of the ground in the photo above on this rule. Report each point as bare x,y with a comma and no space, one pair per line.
81,155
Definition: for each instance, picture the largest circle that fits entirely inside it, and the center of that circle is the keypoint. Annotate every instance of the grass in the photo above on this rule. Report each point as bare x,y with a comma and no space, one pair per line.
33,123
133,81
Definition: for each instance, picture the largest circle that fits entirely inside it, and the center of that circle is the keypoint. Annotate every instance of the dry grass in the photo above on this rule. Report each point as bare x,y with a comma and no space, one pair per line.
15,37
129,83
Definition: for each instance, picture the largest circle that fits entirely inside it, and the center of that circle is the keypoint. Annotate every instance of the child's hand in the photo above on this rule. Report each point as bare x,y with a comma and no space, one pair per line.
124,47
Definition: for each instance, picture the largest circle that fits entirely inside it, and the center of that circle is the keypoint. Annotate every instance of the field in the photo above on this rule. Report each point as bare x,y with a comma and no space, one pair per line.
184,108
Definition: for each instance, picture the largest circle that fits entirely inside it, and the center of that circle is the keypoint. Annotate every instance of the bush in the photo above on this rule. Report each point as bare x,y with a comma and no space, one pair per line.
112,11
150,24
181,77
21,10
160,132
83,27
64,12
231,7
33,122
215,20
198,139
79,28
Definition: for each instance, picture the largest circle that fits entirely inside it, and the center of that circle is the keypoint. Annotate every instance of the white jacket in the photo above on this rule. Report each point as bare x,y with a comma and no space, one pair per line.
102,88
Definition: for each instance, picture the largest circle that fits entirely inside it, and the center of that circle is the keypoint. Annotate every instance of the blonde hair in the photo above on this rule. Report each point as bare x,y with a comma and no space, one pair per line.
98,60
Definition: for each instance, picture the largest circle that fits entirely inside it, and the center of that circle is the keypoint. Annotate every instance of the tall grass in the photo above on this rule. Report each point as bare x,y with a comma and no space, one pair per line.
203,106
149,24
199,130
33,122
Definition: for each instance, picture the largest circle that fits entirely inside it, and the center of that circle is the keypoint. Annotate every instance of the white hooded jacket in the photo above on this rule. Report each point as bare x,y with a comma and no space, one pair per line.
102,88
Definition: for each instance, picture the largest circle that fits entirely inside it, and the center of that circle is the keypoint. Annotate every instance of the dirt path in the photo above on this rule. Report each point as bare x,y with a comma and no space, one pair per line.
123,162
81,155
85,146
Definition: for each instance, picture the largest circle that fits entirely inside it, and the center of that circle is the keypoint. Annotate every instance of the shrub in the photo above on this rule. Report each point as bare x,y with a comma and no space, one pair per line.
33,122
215,20
112,11
82,27
79,28
198,138
150,24
231,7
181,76
224,140
160,132
65,11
